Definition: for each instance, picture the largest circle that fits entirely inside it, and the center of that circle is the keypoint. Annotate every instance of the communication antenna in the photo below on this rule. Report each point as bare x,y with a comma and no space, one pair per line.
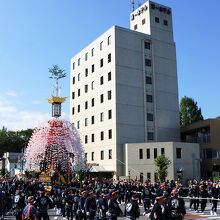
132,4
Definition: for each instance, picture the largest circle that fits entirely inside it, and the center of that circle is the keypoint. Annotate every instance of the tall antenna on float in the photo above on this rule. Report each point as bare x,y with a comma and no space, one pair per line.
132,4
56,101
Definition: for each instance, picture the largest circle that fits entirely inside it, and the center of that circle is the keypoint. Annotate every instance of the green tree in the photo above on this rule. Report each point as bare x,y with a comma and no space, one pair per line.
13,141
56,72
162,163
189,111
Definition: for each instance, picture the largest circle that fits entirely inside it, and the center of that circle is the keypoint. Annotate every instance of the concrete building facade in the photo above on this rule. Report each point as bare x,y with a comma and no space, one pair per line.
184,157
124,87
206,134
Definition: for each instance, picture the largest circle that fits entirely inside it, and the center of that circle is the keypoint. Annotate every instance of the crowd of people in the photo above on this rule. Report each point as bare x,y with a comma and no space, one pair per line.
105,199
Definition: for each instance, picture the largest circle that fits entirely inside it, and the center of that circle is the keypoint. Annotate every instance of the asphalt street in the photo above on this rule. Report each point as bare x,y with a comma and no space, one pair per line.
190,214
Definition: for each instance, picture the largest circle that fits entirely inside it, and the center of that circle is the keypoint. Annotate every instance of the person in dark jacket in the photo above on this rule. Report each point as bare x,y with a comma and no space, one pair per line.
215,193
146,197
81,211
203,194
156,212
102,207
90,206
114,210
42,204
19,204
132,208
176,206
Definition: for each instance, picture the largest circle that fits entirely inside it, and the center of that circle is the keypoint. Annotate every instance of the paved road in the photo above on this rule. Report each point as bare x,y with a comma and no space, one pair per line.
190,214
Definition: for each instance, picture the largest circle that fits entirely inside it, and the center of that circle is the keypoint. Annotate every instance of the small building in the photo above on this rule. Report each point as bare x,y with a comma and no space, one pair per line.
11,161
184,157
206,133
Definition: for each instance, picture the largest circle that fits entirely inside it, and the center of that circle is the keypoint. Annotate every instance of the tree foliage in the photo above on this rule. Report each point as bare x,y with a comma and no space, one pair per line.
189,111
56,72
162,163
13,141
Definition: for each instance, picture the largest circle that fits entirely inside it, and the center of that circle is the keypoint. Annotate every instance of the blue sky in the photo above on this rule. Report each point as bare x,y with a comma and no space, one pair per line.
36,34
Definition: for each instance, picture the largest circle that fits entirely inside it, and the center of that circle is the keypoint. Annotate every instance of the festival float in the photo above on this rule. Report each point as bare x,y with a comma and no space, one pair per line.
55,149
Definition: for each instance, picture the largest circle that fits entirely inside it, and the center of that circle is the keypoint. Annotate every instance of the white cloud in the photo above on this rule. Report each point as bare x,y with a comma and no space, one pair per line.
14,119
36,102
11,93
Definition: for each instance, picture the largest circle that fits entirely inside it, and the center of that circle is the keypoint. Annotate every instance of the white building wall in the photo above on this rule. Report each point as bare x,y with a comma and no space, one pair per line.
94,77
188,163
129,123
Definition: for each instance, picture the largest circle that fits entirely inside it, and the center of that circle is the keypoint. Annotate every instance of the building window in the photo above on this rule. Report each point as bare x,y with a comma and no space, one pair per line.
86,88
73,80
149,176
86,56
93,102
86,121
150,136
143,21
78,92
101,45
101,80
162,151
165,22
79,61
102,135
148,80
149,98
73,110
93,52
86,155
102,155
150,117
147,62
109,114
101,63
78,109
73,95
109,95
73,65
135,27
86,72
78,124
101,98
147,45
93,137
93,68
109,40
102,116
155,177
155,153
92,85
109,58
157,20
93,120
140,153
148,153
178,153
109,76
110,134
86,105
86,139
141,177
79,77
110,154
92,156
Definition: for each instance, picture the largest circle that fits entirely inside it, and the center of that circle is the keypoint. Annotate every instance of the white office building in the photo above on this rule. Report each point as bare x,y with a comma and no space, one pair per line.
124,88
